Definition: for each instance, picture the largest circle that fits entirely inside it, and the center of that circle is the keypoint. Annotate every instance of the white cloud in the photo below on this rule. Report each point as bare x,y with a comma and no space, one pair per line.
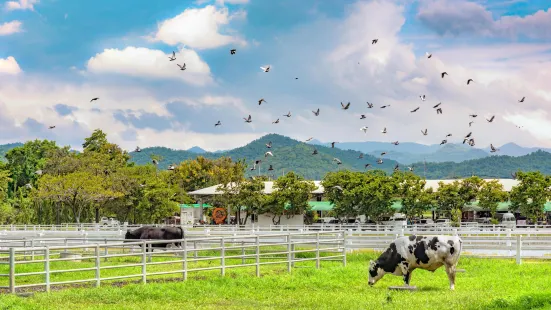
148,63
9,66
222,2
199,28
21,5
10,28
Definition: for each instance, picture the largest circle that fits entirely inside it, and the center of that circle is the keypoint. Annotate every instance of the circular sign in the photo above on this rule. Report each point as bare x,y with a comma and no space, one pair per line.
219,215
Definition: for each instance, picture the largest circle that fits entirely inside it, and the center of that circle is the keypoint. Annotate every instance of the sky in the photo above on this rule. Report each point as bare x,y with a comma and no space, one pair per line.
56,55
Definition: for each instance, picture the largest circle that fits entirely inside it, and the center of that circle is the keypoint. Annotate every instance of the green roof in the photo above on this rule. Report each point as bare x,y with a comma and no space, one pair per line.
321,205
195,205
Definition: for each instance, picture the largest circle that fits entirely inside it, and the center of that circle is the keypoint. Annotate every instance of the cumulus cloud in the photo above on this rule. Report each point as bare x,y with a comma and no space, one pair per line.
199,28
21,5
463,17
12,27
148,63
9,66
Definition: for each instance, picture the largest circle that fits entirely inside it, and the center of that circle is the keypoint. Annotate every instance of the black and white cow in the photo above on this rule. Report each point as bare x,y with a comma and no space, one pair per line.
156,233
406,254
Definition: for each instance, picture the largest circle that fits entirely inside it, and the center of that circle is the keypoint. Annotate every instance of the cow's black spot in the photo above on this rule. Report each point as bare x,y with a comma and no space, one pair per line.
420,253
412,237
373,272
390,259
452,249
410,248
419,238
450,242
433,243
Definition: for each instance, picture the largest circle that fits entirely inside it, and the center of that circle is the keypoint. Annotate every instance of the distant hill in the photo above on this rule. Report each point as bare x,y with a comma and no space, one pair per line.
488,167
449,152
196,150
4,148
289,155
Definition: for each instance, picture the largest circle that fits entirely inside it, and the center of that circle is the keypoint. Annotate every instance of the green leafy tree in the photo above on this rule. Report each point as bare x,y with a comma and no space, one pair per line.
531,194
290,197
449,200
490,194
416,199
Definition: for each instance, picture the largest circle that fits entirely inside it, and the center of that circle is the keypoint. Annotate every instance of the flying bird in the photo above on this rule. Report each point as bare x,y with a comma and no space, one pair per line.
276,121
155,162
471,142
173,57
369,105
469,135
397,167
288,114
261,100
428,55
493,149
385,106
411,168
491,119
522,100
339,162
424,132
443,74
218,124
362,116
182,67
51,127
232,51
448,135
367,166
383,153
380,161
436,106
270,168
384,130
439,111
317,112
395,142
171,167
269,145
361,156
422,97
414,110
345,107
137,150
94,99
265,69
309,139
444,142
374,41
469,81
315,152
470,123
333,145
364,129
268,154
248,119
473,115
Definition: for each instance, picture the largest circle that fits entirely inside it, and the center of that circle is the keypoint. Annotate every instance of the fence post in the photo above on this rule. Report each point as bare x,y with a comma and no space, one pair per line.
185,259
12,270
344,248
223,257
519,248
318,250
144,262
106,250
242,252
195,249
47,268
98,275
32,251
257,256
289,254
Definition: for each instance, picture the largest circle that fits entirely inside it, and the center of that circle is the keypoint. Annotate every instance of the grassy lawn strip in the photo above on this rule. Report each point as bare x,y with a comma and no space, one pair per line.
486,284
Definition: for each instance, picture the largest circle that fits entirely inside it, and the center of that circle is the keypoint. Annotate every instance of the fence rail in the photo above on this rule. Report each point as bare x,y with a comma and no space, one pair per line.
24,267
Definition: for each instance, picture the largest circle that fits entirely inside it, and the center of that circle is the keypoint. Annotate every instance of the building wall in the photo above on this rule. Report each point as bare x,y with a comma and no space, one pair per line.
266,220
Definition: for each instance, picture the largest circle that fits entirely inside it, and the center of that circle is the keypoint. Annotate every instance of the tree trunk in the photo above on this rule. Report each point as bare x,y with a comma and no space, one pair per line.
97,215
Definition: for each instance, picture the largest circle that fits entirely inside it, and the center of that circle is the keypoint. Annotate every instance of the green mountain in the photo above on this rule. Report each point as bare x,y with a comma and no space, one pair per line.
449,152
289,155
488,167
4,148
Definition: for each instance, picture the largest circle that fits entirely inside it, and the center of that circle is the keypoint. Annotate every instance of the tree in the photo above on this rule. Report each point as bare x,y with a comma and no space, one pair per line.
531,194
449,200
377,196
290,196
470,188
340,191
491,193
251,196
416,199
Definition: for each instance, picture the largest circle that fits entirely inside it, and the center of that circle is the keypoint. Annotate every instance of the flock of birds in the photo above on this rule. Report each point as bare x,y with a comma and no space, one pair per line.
467,139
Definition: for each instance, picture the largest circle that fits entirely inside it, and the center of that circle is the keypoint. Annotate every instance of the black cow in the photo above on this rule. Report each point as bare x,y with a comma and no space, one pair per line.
157,233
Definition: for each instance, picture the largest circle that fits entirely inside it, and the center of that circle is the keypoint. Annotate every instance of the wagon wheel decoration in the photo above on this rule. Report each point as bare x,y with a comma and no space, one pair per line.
219,215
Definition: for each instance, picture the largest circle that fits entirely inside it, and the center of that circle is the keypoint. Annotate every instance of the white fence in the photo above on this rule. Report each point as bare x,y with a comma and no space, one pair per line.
59,263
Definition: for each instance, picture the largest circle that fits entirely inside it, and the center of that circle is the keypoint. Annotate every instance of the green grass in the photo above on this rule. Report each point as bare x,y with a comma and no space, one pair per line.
486,284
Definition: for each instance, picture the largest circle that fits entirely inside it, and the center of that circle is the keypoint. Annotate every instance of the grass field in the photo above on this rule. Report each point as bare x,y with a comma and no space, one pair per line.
486,284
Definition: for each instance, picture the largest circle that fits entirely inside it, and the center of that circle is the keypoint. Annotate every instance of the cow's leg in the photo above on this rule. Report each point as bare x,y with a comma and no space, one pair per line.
450,270
406,272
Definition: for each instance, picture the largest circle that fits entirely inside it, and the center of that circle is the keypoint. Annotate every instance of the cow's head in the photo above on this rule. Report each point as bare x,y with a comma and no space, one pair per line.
375,272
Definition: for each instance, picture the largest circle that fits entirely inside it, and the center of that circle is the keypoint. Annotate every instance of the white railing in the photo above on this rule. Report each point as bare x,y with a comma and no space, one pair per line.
23,266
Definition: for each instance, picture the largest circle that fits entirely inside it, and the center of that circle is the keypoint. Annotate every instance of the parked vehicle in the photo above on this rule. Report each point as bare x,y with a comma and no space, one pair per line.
443,222
109,222
398,219
508,220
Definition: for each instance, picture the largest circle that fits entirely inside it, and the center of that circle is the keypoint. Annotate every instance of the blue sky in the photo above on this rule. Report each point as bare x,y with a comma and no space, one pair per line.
58,54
